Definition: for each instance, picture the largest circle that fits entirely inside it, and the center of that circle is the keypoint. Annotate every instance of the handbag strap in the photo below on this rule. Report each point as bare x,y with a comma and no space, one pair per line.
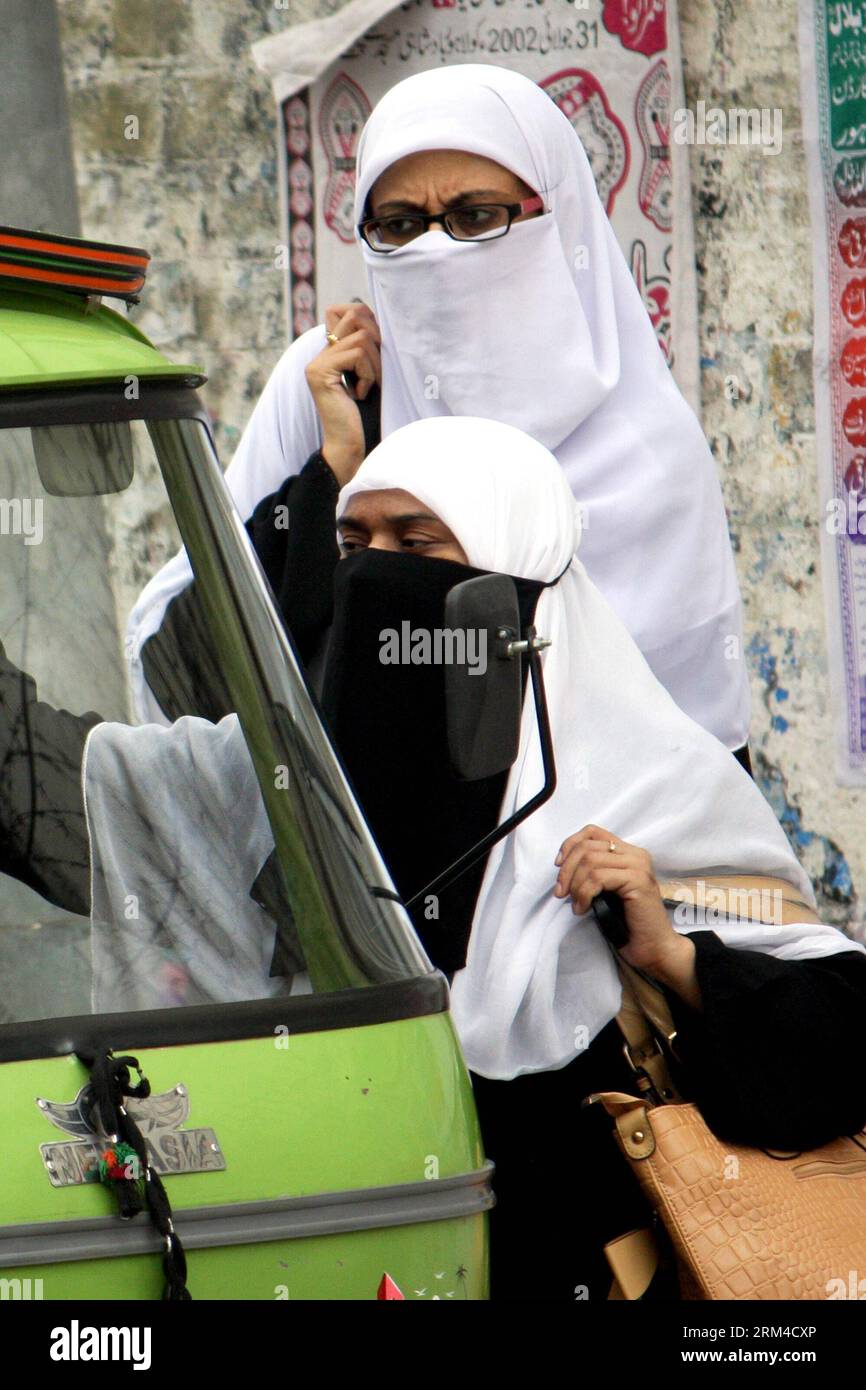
741,897
643,1015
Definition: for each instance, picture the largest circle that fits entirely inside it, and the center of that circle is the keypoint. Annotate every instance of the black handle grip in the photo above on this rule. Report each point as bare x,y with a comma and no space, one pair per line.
610,916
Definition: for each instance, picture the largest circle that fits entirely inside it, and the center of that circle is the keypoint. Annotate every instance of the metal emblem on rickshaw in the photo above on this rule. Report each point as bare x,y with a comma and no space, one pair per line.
171,1150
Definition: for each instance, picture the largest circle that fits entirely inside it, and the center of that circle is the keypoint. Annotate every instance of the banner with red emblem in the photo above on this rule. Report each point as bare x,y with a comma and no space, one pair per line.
833,88
613,67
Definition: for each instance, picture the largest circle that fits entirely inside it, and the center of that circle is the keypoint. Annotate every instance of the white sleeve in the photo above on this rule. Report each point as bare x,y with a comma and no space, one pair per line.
281,433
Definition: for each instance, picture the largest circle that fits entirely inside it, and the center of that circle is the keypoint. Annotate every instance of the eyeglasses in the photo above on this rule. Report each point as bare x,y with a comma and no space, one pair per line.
480,222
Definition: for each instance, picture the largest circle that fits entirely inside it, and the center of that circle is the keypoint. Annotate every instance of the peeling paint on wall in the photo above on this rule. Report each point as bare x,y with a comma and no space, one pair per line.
820,856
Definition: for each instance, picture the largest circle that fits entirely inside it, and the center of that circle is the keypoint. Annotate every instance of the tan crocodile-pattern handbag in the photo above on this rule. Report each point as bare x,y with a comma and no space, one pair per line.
744,1223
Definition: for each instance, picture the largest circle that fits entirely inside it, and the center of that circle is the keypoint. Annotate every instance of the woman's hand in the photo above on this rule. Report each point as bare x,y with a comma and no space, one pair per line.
358,350
587,867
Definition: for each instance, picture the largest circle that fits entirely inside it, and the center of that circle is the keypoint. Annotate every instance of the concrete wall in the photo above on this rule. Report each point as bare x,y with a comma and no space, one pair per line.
198,188
755,284
37,177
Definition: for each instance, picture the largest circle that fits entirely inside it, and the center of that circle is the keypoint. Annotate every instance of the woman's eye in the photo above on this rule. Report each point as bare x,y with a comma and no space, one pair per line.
348,547
400,226
476,219
413,542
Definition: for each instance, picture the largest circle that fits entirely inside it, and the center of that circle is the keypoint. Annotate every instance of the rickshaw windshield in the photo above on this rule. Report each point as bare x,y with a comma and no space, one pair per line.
213,855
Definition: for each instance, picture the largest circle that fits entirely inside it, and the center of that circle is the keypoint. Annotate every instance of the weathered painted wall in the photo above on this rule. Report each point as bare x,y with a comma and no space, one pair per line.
198,185
753,246
198,188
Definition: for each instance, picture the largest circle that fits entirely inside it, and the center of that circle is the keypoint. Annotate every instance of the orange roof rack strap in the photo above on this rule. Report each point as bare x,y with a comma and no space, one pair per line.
69,263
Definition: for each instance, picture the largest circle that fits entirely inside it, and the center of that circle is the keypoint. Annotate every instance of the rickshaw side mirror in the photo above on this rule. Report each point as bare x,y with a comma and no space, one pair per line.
484,711
484,697
484,715
84,460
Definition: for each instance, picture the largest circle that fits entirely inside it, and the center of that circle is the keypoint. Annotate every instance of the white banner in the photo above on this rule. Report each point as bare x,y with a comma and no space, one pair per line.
614,68
833,88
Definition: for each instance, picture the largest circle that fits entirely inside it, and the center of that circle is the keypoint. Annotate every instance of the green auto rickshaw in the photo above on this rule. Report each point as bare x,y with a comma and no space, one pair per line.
319,1145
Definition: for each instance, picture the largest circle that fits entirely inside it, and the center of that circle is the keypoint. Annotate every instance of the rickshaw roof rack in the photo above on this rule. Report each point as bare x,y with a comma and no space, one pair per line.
85,268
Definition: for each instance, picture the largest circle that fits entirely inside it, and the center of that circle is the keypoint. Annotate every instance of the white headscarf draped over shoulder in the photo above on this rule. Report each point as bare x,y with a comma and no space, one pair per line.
627,759
543,329
178,834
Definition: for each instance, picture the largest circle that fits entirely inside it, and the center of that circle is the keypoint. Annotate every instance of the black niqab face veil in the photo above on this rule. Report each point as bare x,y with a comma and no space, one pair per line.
386,713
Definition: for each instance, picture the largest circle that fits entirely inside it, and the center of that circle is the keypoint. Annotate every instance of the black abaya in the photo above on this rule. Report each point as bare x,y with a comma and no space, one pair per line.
43,828
773,1060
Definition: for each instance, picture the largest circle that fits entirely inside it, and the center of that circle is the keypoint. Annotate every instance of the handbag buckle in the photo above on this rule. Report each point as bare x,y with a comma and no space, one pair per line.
643,1081
636,1066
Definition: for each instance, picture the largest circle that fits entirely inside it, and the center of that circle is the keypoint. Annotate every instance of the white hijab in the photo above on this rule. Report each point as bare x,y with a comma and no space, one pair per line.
543,329
627,759
178,833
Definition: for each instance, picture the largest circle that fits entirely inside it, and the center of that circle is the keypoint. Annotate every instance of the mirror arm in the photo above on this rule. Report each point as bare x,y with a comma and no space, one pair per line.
472,855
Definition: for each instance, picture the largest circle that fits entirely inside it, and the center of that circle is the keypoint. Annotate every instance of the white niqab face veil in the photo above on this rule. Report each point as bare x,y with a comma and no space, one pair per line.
506,328
545,329
537,978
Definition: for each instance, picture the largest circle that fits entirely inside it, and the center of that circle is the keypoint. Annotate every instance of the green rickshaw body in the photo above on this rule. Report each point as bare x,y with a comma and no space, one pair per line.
349,1154
320,1146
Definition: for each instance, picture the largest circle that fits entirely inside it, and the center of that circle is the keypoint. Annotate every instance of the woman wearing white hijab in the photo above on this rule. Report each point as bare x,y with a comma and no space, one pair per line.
628,758
764,1012
542,328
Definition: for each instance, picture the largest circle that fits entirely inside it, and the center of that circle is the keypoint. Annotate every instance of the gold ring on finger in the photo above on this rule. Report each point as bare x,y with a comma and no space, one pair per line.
332,338
612,847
